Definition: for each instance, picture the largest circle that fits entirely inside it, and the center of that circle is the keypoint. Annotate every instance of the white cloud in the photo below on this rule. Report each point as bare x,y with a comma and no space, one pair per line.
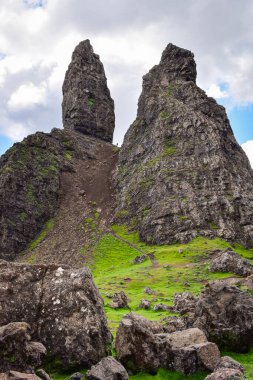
27,96
37,38
248,148
215,92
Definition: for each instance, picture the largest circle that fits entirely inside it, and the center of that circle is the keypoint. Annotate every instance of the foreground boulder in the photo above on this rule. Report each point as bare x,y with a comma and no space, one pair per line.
230,261
225,313
87,106
227,369
141,345
181,172
107,369
62,306
17,351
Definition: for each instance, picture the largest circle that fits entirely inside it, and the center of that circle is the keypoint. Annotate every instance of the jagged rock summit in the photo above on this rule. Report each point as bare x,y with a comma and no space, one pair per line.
181,172
87,106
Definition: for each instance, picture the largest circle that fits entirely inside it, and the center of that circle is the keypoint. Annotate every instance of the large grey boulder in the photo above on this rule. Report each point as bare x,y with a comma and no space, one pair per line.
87,106
17,351
181,172
229,261
225,314
107,369
141,345
62,306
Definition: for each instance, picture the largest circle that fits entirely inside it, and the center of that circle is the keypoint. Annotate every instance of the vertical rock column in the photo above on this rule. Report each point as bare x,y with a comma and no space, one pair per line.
87,105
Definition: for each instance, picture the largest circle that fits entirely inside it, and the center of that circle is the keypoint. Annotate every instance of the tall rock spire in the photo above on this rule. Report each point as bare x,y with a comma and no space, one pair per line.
87,106
181,172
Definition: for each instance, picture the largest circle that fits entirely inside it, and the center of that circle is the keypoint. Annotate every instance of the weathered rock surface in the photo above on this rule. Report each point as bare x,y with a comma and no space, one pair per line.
230,261
107,369
184,302
119,300
17,351
15,375
145,304
228,362
181,172
142,345
62,306
225,314
87,106
38,175
227,369
226,374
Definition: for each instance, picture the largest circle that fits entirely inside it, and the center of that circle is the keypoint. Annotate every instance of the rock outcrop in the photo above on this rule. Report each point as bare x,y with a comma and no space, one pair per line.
142,345
42,174
229,261
225,314
61,305
87,106
181,172
17,351
107,369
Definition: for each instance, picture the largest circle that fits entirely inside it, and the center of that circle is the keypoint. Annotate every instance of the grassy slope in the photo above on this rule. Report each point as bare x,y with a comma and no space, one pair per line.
179,267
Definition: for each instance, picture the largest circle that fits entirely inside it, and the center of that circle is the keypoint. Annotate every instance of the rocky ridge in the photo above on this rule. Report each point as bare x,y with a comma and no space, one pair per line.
181,172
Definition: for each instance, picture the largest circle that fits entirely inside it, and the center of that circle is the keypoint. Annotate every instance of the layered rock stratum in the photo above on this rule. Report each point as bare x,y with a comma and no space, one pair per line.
181,172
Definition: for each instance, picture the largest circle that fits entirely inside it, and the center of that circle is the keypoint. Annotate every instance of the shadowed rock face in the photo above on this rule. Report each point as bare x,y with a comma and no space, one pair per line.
87,106
181,172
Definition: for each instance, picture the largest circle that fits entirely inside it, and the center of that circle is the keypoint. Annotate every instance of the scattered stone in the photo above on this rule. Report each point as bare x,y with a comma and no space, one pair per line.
184,302
189,359
142,345
43,374
14,375
87,105
136,343
228,362
76,376
226,374
140,259
148,290
162,307
230,261
107,369
145,304
225,314
62,306
119,300
17,351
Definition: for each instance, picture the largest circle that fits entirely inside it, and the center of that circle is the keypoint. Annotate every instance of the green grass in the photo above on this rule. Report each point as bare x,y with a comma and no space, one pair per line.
180,267
68,155
48,227
168,375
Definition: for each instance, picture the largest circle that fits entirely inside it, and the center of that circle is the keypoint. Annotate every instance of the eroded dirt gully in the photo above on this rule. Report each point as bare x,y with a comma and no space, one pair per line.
84,213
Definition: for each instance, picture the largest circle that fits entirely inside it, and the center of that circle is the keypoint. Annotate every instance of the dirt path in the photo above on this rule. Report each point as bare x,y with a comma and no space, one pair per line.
84,213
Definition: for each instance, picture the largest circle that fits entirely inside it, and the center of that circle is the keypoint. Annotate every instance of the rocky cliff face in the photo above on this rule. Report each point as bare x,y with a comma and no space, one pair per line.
34,178
181,172
87,105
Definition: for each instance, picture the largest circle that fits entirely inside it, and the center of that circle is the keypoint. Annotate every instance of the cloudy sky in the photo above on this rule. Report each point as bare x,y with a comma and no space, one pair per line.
37,38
